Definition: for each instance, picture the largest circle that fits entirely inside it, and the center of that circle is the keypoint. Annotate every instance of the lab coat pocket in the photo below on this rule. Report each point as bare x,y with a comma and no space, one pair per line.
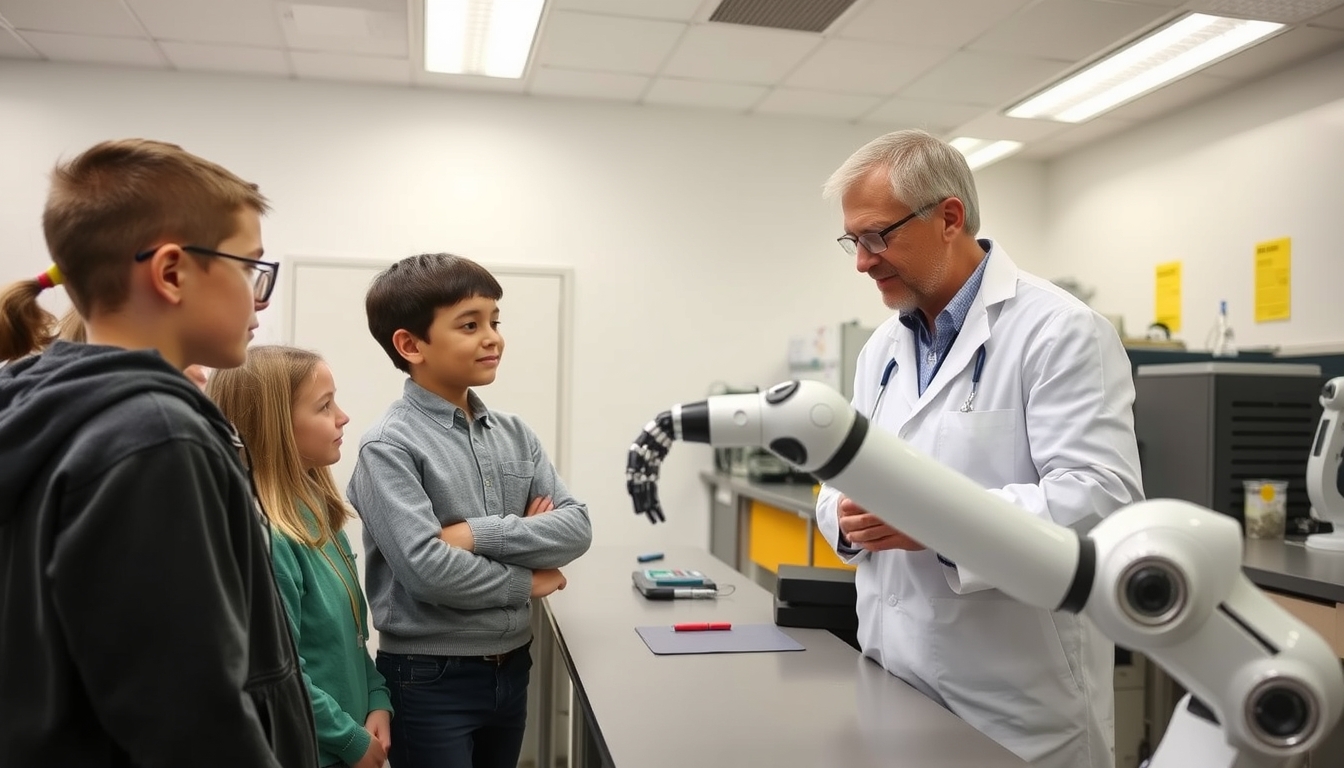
516,477
981,445
999,661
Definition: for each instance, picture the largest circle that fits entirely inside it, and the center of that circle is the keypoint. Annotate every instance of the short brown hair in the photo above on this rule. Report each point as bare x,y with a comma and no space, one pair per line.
114,200
409,293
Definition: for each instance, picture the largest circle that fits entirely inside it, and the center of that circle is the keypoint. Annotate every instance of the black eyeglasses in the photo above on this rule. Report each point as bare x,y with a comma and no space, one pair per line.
876,242
264,273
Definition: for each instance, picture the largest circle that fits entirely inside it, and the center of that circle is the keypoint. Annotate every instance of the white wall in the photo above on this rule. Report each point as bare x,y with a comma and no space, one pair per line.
1202,187
698,240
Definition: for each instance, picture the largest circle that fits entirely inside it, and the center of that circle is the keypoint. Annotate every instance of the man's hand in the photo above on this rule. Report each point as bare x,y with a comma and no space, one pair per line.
547,581
458,535
867,531
539,505
379,726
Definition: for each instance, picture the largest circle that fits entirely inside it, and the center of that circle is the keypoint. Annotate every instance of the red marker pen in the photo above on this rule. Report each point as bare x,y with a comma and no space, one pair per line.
702,627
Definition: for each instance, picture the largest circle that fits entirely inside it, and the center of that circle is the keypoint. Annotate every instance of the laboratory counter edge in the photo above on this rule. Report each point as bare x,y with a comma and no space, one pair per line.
823,706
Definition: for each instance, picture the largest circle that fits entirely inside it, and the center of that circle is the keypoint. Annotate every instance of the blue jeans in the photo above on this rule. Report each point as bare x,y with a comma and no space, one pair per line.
457,711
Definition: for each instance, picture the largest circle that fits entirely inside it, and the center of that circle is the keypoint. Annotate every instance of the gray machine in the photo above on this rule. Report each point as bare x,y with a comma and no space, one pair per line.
1203,428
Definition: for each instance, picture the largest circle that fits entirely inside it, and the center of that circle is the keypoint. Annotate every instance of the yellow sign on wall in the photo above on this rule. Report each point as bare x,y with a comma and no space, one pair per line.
1168,302
1273,280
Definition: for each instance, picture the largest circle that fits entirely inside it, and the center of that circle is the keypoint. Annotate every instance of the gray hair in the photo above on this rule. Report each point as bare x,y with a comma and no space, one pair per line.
922,171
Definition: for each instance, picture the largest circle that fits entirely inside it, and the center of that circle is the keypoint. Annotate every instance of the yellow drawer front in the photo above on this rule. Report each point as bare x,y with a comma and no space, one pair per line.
777,537
823,556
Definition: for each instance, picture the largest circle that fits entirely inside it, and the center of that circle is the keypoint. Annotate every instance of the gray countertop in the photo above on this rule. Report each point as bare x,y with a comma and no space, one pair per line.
1288,566
792,497
824,706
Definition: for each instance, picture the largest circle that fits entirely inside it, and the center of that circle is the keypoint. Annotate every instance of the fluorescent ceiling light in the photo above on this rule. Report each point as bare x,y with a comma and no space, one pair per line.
1167,54
480,37
982,152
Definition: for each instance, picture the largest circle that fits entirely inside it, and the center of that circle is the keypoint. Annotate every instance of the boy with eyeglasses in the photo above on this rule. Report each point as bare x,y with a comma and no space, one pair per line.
141,624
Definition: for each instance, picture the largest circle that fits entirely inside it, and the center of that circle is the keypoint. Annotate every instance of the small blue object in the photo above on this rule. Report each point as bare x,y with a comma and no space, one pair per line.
650,557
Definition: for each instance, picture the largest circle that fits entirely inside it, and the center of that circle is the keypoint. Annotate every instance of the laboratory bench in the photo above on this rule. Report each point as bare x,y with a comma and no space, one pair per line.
822,706
1307,582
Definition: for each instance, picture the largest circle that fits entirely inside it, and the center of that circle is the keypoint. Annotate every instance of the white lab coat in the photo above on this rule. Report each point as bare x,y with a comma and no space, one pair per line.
1052,430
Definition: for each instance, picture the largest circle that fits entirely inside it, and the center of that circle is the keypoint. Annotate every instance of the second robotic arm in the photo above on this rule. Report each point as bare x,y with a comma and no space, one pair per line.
1160,577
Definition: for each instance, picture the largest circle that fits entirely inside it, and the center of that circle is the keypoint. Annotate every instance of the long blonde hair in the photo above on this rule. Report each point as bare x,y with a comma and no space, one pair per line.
258,397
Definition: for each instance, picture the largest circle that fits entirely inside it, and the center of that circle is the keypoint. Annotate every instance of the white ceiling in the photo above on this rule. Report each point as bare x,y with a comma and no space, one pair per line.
950,66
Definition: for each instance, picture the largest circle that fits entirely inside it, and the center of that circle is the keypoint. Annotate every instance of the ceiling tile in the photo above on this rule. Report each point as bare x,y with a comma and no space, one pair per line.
1282,11
1293,46
606,43
96,50
236,22
675,10
11,47
224,58
792,101
854,66
997,127
667,91
349,31
587,85
990,79
1185,92
1332,20
738,54
1072,30
75,17
362,69
928,22
1159,3
933,116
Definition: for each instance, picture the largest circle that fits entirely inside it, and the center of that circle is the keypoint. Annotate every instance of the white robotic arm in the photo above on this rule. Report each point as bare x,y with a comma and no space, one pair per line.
1160,577
1325,468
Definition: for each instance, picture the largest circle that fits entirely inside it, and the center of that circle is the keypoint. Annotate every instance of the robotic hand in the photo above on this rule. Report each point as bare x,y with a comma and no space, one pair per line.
1161,577
1325,468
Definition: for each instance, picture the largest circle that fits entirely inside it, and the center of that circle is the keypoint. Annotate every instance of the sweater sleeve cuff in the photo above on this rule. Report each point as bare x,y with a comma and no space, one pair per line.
379,699
487,533
520,585
356,747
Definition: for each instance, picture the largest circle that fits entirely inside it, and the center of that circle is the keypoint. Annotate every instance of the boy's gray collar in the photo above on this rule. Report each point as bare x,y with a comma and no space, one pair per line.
443,411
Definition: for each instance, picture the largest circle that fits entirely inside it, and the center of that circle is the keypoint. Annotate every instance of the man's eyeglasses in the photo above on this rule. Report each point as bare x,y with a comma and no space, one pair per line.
264,273
876,242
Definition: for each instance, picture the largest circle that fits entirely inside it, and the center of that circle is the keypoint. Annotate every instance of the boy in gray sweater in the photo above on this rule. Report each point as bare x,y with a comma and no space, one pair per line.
465,521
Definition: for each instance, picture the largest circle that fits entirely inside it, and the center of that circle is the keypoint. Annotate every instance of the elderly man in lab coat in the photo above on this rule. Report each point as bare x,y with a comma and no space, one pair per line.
1016,384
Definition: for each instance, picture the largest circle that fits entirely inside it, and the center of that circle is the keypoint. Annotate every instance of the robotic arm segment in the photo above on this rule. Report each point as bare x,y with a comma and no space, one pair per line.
813,427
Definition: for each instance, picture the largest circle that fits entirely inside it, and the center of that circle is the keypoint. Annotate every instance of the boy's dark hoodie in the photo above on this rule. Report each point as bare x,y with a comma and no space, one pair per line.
139,620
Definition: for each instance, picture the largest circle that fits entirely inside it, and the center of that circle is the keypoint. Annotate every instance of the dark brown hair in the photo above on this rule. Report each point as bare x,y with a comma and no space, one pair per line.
407,295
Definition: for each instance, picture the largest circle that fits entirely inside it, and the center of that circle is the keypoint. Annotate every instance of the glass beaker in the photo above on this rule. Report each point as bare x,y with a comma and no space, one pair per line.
1266,508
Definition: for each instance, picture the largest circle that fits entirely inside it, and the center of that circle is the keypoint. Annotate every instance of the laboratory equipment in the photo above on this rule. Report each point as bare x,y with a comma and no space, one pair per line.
1222,341
1325,468
1205,427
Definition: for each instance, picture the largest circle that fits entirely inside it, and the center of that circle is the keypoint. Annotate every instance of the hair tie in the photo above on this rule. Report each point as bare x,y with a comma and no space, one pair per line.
51,278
